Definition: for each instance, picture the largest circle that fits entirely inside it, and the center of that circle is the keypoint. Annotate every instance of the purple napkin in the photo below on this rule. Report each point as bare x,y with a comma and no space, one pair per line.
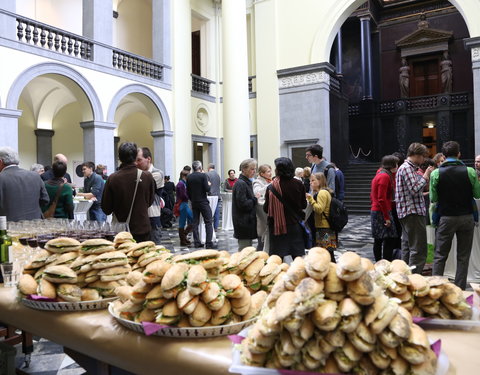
36,297
295,372
469,300
437,347
419,319
150,328
236,339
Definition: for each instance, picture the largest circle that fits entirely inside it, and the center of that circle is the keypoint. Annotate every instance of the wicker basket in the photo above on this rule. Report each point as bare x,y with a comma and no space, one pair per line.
193,332
68,306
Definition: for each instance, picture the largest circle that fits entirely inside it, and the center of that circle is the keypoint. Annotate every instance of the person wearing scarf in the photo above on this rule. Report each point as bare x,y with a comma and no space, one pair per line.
384,230
286,234
259,189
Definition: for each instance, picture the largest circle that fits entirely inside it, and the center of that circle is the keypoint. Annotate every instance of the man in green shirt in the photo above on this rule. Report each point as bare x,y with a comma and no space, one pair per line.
453,187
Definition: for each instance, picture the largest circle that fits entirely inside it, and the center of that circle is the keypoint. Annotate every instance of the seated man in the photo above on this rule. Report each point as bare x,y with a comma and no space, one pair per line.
93,189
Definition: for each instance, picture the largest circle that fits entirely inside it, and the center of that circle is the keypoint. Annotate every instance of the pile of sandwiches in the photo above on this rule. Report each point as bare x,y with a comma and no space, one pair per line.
202,288
70,271
333,318
433,297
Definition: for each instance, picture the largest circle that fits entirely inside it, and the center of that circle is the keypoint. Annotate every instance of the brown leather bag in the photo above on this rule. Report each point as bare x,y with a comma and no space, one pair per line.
51,209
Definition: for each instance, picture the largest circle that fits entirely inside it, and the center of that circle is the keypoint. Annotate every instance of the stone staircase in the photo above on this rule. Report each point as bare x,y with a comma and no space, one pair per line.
358,178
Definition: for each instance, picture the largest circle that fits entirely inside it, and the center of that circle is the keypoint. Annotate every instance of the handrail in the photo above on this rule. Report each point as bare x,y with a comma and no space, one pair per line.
132,63
201,84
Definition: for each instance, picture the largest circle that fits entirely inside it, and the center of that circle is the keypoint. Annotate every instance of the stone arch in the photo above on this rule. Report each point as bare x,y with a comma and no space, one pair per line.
340,10
139,89
53,68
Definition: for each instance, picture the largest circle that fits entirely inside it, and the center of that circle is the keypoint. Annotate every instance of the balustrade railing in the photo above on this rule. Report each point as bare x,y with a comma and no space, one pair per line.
424,102
132,63
48,37
200,84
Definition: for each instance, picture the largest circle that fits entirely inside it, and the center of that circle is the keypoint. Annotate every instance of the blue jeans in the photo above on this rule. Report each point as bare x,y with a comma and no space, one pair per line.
97,214
186,215
216,215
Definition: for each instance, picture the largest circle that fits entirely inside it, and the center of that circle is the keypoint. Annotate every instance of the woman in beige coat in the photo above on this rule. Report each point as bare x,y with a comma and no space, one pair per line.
259,188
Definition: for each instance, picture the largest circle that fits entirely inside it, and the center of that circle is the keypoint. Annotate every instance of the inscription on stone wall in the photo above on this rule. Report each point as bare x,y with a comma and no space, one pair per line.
475,54
304,79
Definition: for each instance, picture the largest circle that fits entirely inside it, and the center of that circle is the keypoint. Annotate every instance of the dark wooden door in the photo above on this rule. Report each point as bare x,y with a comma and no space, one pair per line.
425,78
196,67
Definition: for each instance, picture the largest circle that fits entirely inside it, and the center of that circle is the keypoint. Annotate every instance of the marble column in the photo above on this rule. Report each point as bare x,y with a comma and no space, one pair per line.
339,56
8,24
236,119
116,141
366,48
44,146
474,45
162,34
163,151
182,61
9,127
98,143
98,25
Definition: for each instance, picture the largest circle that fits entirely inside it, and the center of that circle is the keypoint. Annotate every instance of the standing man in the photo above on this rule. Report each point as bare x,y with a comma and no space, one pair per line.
314,155
477,166
119,192
454,185
197,189
22,192
230,181
411,206
48,175
144,162
214,179
93,190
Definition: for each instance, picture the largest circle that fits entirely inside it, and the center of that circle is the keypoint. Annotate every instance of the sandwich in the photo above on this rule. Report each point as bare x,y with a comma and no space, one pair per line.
367,264
335,338
140,291
90,294
124,292
256,304
197,279
268,324
455,302
247,256
259,343
398,265
66,259
222,315
383,266
380,313
317,263
110,259
62,245
346,357
398,282
207,258
365,367
124,247
249,358
427,367
251,273
214,297
169,314
155,271
60,275
39,273
362,338
363,290
145,315
398,330
27,285
285,307
129,310
295,273
232,265
123,237
174,280
39,260
200,315
418,285
69,292
335,288
349,266
105,288
326,316
141,248
415,349
114,273
274,259
308,295
233,286
382,356
429,305
96,246
154,298
151,256
436,284
91,276
46,289
134,277
268,273
351,315
285,350
406,300
241,305
83,264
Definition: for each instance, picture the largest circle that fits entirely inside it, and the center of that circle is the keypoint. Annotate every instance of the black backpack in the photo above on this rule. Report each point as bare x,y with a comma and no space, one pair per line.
337,182
338,217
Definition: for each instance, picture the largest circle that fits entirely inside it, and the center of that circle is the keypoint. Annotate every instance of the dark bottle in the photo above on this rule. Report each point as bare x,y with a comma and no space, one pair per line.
6,249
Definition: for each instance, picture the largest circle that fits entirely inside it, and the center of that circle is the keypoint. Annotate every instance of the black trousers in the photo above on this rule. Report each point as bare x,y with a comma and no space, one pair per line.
204,209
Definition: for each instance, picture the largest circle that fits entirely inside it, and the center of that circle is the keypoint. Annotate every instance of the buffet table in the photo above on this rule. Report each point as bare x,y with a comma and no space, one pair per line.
96,334
227,223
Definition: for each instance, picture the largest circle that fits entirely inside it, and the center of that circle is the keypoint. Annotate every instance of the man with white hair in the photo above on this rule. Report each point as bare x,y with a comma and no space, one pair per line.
48,175
22,192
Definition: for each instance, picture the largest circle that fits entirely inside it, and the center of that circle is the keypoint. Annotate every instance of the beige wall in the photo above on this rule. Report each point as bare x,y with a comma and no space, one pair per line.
134,27
136,128
27,141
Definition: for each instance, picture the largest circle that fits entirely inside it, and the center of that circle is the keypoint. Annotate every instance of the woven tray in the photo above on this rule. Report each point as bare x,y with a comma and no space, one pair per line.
193,332
68,306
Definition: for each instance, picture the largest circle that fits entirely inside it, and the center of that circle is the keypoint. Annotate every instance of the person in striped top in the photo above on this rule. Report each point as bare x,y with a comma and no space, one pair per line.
411,206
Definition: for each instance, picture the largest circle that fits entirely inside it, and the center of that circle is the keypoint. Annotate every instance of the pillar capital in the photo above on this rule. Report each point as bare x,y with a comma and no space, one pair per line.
98,125
44,133
12,113
161,133
306,75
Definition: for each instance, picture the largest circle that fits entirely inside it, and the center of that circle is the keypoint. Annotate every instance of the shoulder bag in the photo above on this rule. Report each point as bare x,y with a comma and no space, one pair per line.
51,209
127,222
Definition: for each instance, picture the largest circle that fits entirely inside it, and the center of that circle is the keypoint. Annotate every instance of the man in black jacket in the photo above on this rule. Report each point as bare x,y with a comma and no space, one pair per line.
197,190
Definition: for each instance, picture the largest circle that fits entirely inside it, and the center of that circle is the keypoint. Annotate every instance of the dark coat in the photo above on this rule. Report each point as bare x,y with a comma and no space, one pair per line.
243,210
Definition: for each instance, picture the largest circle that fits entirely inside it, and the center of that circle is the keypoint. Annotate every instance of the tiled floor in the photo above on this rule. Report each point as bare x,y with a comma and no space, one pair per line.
48,358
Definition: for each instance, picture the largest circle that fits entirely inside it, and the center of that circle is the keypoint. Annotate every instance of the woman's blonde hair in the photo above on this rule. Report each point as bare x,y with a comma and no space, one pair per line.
307,171
263,168
320,177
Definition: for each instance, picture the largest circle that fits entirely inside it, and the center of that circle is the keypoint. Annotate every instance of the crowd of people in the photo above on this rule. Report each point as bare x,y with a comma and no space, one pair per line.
274,206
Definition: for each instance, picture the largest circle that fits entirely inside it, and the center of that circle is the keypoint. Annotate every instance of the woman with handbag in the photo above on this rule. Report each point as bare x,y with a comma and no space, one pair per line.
325,236
284,204
182,209
60,193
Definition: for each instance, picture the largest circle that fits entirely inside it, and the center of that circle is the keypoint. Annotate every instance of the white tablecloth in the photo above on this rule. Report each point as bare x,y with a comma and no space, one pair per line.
81,208
227,223
213,200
